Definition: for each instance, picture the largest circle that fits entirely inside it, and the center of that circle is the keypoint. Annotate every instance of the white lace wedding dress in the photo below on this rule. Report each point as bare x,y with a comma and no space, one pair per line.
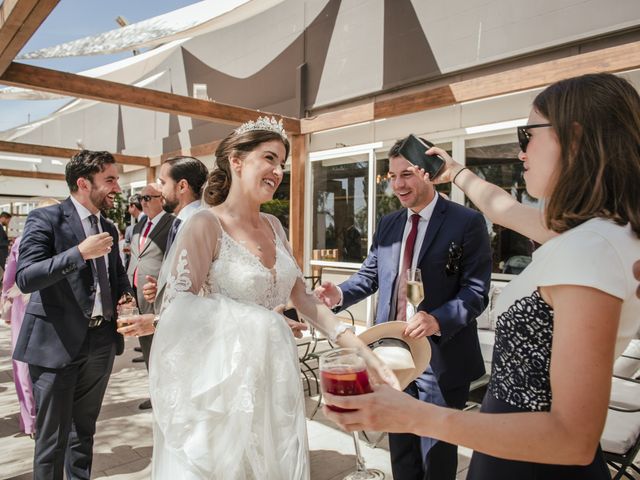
224,375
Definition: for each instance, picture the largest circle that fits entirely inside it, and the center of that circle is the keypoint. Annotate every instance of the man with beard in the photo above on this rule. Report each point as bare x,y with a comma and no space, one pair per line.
69,339
182,180
147,252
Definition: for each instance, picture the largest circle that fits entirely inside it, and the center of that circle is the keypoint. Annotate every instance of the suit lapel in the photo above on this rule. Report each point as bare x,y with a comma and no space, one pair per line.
397,231
437,217
73,219
155,231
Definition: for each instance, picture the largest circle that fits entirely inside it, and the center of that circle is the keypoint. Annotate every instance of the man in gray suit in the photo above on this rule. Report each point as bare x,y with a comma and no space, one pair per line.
147,251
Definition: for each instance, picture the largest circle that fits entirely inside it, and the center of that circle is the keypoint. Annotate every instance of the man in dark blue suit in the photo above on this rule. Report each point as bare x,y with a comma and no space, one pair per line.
450,244
68,338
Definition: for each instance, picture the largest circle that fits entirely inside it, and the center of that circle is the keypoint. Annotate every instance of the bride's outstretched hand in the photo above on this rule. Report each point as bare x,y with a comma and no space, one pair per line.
379,372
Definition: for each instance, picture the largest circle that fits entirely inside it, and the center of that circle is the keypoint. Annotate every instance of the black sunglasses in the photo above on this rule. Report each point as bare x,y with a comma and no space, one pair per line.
524,136
147,198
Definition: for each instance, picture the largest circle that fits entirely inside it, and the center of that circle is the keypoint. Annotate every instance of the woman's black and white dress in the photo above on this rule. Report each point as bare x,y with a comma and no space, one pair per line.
597,254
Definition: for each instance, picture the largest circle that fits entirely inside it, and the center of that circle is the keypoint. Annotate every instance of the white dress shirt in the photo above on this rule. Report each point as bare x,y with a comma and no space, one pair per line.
84,215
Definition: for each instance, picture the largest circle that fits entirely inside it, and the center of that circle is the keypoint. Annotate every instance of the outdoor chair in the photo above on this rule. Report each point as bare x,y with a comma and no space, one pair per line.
620,439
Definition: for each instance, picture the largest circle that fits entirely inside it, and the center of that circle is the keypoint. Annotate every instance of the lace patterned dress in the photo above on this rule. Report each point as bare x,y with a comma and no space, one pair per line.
598,254
224,380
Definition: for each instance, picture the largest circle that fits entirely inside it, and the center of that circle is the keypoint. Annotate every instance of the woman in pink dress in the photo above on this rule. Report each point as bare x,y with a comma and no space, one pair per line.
21,378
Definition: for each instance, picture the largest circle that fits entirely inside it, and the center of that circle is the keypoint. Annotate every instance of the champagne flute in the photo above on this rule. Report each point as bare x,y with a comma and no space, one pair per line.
344,372
415,288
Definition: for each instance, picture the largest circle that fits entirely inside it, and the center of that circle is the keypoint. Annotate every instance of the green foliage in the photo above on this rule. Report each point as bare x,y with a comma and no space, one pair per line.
116,214
279,208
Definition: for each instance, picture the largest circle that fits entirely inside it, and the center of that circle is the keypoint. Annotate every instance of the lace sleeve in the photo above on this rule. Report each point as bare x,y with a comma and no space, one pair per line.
189,260
306,302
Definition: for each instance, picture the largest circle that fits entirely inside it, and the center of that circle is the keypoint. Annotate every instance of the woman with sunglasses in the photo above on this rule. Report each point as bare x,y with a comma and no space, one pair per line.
566,317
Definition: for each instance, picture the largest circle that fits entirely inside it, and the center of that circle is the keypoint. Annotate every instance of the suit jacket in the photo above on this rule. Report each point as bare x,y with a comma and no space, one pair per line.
4,246
51,268
455,299
149,260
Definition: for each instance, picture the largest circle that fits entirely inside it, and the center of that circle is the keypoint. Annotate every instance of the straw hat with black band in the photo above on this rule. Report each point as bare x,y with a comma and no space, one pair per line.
407,357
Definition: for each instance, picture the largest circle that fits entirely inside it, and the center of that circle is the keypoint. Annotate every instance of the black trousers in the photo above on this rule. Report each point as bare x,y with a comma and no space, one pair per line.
408,458
68,402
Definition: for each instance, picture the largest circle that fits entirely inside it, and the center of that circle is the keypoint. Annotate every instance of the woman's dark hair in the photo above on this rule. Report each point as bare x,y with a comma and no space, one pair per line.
242,144
597,120
190,169
85,164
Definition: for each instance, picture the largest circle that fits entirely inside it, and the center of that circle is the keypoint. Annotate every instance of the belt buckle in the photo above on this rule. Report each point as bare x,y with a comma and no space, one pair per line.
96,321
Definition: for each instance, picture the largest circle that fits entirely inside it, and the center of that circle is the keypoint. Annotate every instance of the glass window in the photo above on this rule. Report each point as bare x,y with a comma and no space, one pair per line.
495,159
340,208
386,201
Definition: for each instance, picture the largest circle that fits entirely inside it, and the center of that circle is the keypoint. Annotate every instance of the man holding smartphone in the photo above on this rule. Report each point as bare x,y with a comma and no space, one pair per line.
450,244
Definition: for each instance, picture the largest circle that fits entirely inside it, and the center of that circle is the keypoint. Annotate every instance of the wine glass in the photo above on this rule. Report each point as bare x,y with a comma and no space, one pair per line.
415,288
344,372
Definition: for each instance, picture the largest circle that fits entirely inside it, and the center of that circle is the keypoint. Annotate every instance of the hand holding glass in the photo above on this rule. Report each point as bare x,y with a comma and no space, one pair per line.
124,314
344,372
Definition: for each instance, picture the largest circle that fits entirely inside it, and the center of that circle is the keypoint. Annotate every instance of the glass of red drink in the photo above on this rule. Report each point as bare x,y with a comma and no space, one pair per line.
344,372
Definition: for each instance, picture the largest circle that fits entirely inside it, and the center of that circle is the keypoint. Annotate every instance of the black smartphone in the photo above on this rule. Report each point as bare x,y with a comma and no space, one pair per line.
413,149
291,313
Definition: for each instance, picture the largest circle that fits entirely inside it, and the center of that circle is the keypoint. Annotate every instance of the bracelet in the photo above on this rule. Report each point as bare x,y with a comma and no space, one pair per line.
456,175
156,319
339,330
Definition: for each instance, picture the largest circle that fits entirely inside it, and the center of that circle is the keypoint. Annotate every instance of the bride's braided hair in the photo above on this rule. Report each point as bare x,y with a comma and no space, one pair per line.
219,181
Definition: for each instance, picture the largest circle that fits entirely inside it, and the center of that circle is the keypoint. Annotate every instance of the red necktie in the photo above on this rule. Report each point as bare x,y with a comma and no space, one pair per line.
143,240
407,257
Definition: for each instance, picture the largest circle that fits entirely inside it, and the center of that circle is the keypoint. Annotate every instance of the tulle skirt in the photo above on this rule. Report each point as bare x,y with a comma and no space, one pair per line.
226,393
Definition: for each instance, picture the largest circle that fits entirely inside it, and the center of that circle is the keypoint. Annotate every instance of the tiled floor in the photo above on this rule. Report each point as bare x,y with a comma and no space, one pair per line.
123,443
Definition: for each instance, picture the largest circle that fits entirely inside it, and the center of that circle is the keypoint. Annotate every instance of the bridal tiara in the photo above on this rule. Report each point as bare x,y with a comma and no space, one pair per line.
263,123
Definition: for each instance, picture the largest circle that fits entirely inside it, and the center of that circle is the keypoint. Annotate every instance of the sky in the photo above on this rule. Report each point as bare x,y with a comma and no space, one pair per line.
71,20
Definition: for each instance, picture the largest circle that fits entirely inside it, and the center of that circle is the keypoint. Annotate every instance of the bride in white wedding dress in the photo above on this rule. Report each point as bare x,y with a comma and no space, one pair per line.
224,375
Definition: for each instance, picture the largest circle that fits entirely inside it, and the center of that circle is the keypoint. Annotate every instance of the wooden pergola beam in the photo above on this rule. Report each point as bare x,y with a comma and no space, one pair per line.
614,59
60,152
200,150
8,172
19,19
44,79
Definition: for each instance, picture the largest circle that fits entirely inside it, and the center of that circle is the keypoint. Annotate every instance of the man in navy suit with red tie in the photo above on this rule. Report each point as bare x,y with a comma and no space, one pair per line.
69,262
449,243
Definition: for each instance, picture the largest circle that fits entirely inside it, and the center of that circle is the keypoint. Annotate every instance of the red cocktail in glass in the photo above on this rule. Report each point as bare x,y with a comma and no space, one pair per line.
343,372
343,382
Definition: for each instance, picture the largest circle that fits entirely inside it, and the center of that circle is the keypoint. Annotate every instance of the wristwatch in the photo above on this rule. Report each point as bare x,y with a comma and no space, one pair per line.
156,319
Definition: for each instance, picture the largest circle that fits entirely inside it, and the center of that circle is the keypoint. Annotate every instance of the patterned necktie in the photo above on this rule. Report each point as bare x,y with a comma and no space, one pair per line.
143,240
103,277
401,310
172,234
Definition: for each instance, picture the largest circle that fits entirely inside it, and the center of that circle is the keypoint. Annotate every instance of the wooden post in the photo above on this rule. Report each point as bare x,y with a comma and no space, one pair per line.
151,174
296,196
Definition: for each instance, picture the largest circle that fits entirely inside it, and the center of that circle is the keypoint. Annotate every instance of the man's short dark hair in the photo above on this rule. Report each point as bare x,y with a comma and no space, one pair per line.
5,215
85,164
190,169
394,151
135,201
